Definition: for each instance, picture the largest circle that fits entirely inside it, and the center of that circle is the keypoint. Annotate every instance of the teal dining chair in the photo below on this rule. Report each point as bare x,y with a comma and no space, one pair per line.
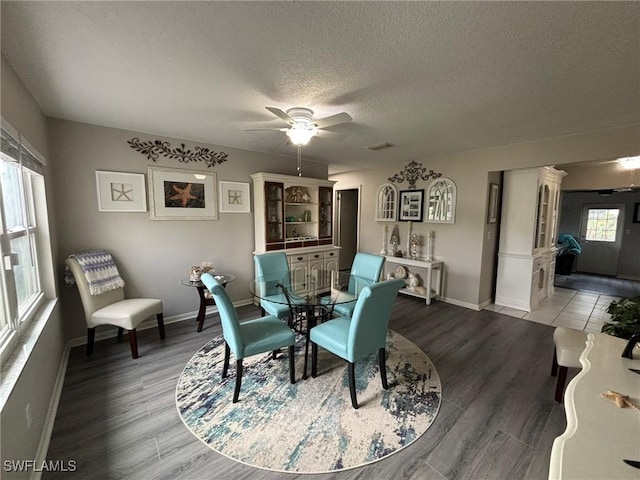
366,266
276,265
265,334
365,332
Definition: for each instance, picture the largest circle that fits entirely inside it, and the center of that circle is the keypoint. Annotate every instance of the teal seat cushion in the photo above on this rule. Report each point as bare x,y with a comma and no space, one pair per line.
333,336
265,334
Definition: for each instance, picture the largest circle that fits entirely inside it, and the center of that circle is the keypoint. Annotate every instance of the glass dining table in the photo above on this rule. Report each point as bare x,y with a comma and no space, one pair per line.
310,294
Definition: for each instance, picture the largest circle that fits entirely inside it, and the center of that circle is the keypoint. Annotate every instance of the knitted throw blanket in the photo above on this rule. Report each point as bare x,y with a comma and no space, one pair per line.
100,271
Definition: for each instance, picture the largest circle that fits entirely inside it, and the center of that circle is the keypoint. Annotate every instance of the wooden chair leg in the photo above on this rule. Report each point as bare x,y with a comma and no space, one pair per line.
91,335
225,365
314,360
160,325
292,366
133,341
382,354
352,385
554,365
236,392
120,332
562,378
274,354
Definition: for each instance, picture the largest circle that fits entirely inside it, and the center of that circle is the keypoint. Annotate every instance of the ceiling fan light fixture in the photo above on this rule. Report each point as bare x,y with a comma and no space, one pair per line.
301,135
629,163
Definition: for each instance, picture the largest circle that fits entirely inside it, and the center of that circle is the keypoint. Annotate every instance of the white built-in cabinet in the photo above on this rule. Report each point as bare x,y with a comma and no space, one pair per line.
295,215
528,231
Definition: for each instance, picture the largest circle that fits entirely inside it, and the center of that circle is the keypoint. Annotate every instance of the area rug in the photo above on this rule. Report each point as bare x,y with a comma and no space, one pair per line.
309,427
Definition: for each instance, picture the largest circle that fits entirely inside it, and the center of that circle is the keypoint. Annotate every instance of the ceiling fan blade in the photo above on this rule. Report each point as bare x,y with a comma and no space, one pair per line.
260,129
331,120
280,114
331,135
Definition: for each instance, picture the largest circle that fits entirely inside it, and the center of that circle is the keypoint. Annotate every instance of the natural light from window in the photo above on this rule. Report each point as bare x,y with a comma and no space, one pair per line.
602,224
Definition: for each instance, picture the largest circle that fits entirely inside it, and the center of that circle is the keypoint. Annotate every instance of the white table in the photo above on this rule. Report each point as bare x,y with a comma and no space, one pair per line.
430,267
599,434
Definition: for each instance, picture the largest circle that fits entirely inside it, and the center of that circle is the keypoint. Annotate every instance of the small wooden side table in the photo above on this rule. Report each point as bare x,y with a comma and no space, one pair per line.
205,299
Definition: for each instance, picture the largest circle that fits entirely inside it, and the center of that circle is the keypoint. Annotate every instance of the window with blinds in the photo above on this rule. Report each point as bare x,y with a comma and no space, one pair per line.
21,183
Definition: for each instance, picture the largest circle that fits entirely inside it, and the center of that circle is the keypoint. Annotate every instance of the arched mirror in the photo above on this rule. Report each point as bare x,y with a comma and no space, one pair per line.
387,200
441,201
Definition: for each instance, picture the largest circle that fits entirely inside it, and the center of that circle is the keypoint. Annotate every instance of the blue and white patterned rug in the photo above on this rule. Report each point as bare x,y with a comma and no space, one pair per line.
309,427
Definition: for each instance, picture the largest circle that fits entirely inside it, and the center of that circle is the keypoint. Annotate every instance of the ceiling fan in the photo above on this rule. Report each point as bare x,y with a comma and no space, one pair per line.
303,126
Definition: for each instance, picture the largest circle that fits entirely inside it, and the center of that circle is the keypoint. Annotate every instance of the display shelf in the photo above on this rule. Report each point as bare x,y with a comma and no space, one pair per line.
433,290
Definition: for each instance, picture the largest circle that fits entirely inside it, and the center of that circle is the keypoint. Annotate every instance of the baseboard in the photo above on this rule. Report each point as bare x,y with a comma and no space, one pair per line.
453,301
485,303
152,323
45,438
629,277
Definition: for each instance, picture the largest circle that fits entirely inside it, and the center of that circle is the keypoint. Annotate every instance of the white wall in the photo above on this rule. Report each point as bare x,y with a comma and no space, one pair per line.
153,256
469,264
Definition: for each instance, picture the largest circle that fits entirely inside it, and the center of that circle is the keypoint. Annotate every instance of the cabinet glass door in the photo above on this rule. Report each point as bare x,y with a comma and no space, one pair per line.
274,215
326,213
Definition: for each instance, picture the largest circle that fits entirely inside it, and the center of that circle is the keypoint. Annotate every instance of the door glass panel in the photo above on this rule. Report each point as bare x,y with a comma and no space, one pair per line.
602,224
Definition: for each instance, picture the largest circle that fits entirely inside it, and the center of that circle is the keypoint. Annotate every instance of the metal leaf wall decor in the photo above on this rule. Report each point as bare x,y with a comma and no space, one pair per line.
413,172
153,148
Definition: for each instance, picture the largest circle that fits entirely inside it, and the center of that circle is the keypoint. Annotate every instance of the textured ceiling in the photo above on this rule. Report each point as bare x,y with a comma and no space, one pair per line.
430,78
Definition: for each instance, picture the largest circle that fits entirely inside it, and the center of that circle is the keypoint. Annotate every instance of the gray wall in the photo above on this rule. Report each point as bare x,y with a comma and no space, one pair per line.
571,215
153,256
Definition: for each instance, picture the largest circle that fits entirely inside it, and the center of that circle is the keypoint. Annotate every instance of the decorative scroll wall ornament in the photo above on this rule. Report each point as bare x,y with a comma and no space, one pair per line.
153,148
413,172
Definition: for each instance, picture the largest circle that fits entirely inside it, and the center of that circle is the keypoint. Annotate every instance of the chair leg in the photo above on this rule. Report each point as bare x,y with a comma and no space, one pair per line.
292,366
382,354
225,365
314,359
554,365
120,332
160,325
133,341
236,392
274,354
352,385
562,377
91,335
262,312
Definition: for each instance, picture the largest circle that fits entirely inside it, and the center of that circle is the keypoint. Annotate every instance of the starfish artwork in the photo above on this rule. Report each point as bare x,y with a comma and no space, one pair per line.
183,194
121,192
235,197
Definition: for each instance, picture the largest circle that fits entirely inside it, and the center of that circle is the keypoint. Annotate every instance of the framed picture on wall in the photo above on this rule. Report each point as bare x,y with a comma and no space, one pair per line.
121,192
411,202
492,214
636,213
234,197
176,194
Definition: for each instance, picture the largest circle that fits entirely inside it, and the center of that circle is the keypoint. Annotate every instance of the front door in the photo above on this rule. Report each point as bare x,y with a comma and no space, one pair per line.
600,238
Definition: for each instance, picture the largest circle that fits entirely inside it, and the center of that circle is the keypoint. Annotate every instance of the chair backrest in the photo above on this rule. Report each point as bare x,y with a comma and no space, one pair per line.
368,266
91,303
228,315
370,319
273,263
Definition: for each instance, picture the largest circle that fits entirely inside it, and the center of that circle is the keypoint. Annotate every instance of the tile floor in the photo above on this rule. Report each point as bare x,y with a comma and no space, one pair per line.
566,308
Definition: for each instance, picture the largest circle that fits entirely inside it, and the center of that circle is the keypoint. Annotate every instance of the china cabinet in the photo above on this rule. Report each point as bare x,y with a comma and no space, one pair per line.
527,252
295,215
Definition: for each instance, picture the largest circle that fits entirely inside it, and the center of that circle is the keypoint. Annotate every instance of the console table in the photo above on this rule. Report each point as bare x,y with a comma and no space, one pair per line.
599,435
430,267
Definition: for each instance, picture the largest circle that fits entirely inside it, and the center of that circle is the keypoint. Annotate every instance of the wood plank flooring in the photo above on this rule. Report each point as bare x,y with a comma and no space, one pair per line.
117,417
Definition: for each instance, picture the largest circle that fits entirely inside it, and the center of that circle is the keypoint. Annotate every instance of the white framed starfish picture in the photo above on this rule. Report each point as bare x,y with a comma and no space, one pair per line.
121,192
234,197
176,194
